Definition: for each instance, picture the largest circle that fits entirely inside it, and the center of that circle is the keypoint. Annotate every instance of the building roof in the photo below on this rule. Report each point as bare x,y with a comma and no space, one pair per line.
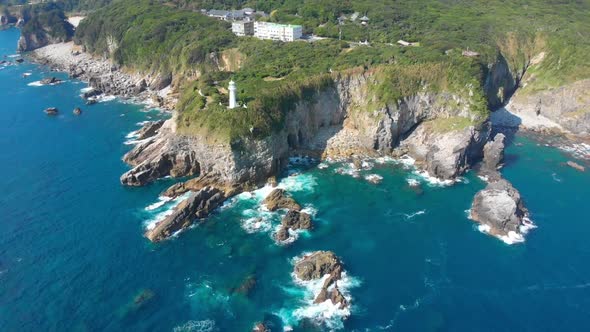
216,12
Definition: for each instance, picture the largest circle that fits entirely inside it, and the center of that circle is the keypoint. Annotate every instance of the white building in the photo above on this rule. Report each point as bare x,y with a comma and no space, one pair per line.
242,28
232,94
275,31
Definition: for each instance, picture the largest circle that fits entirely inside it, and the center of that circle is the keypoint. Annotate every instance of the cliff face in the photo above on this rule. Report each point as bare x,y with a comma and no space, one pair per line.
337,122
568,106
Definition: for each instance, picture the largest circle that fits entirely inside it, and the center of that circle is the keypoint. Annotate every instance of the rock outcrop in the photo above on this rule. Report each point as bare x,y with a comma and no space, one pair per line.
293,220
197,206
279,199
500,207
171,154
568,106
317,265
35,34
493,157
150,129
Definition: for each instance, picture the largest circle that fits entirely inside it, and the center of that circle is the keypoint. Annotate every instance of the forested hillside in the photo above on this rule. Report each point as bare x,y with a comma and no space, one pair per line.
545,40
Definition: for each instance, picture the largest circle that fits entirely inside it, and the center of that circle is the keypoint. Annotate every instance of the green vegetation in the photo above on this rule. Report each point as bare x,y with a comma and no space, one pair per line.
546,41
445,125
46,19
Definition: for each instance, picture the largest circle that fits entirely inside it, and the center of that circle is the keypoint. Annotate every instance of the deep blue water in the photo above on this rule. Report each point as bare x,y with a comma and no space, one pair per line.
73,257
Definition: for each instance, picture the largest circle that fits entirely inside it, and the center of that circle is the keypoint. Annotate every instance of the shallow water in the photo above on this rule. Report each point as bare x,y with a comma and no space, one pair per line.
73,257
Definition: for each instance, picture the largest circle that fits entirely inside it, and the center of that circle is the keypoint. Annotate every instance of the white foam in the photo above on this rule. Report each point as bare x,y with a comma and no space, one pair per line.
87,89
414,214
511,237
169,208
326,313
27,74
433,181
323,165
13,56
374,178
412,182
162,200
36,83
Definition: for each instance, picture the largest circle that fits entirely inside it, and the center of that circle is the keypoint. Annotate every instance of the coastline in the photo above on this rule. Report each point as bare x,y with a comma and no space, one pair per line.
104,76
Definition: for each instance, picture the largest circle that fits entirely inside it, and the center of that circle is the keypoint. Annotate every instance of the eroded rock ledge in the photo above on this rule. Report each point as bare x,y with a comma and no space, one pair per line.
199,205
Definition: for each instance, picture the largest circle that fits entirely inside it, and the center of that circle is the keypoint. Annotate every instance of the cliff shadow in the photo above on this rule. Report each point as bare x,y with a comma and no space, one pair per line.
506,123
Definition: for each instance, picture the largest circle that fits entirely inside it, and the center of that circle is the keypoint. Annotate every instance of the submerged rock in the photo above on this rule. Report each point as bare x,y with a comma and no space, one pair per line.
77,111
51,111
278,199
500,207
575,165
199,205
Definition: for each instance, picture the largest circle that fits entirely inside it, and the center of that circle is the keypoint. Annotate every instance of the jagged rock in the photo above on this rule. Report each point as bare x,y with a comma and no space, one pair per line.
493,153
447,154
296,220
317,264
282,234
499,206
77,111
91,93
50,80
575,165
493,156
149,129
333,294
278,199
199,205
51,111
173,163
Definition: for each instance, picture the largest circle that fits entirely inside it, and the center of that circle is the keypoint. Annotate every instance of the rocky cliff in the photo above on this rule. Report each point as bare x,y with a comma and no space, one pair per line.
338,121
568,106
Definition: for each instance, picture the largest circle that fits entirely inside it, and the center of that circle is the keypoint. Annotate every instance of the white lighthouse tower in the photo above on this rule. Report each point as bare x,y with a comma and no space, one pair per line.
232,94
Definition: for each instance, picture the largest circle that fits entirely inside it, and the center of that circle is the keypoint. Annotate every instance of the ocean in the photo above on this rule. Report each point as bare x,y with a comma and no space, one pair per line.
73,256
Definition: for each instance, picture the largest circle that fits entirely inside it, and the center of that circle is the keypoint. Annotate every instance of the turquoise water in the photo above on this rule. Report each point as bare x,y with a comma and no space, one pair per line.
73,258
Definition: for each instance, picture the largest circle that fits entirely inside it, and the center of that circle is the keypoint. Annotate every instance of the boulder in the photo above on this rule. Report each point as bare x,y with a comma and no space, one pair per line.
317,265
77,111
278,199
199,205
500,207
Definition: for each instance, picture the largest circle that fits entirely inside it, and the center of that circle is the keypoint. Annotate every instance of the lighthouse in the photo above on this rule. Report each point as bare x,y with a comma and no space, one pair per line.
232,94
